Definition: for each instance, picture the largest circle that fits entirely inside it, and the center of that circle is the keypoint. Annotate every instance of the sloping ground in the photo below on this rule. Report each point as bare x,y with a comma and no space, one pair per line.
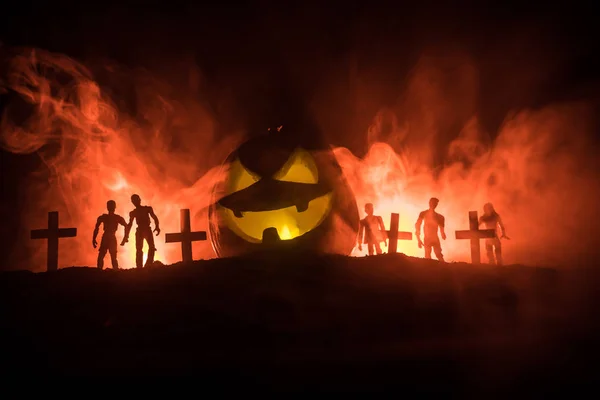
292,321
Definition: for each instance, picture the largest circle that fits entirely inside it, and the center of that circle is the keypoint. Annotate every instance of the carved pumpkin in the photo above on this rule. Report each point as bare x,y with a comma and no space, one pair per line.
282,190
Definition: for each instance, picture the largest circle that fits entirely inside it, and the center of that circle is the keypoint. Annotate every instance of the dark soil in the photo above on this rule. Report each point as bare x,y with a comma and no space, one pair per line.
305,322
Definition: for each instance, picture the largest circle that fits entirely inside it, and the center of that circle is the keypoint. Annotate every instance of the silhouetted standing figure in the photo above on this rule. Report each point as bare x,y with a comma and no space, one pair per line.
111,222
142,216
432,222
491,220
372,230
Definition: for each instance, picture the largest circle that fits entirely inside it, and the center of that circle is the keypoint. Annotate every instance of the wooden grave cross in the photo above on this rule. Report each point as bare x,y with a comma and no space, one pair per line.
475,234
186,236
394,235
52,234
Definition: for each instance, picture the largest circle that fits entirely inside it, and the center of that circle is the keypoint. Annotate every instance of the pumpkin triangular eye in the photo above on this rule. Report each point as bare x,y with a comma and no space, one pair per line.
299,168
239,177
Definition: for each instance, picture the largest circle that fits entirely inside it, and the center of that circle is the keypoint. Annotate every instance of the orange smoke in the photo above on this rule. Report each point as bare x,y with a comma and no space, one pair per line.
540,171
536,171
94,153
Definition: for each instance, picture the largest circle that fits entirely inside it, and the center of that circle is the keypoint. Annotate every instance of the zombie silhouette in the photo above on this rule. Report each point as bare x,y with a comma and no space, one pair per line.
491,220
432,221
111,222
373,231
143,232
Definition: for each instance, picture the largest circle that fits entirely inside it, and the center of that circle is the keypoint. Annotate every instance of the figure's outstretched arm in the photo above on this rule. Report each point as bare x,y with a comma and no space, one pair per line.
418,229
156,223
96,228
122,221
502,228
418,225
442,224
382,227
127,230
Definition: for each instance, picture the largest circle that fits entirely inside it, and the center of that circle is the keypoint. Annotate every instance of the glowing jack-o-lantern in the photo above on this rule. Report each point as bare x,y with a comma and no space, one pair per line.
278,187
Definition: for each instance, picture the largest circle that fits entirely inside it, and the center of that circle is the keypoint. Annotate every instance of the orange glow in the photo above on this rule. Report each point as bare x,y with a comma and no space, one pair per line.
287,234
382,178
106,154
537,169
131,259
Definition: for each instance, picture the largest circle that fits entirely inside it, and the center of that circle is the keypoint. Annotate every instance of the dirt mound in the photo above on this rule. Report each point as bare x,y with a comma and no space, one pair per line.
308,321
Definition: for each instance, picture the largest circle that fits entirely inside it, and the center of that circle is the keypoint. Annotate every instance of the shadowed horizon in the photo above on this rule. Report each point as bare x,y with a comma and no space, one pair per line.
392,322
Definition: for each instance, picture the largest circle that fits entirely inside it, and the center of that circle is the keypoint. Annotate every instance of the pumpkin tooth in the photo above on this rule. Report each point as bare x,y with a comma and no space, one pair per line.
301,207
238,213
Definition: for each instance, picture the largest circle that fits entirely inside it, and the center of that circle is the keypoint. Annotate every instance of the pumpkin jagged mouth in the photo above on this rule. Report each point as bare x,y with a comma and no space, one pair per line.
240,214
269,195
297,219
297,209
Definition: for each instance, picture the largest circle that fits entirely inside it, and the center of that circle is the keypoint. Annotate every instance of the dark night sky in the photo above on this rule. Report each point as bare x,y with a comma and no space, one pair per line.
291,46
257,49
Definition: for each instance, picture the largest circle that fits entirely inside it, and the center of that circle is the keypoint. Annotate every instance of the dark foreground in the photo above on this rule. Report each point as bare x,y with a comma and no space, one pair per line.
310,323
